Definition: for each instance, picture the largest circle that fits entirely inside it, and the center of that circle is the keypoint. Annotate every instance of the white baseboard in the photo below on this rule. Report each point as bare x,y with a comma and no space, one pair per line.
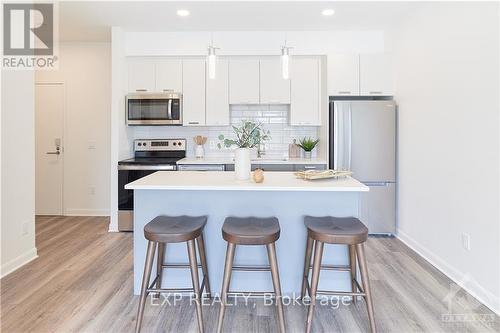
17,262
86,212
472,287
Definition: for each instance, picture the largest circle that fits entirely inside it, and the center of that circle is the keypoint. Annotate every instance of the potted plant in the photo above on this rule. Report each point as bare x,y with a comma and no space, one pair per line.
308,145
248,135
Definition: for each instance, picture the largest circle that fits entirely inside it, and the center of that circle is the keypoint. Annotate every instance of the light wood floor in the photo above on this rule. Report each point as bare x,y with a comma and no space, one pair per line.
82,282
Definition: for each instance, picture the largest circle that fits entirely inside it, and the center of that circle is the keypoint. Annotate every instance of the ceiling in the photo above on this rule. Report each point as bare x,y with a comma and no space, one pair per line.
91,20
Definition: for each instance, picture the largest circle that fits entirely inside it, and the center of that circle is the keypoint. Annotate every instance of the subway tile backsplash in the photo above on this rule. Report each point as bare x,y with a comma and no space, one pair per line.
274,118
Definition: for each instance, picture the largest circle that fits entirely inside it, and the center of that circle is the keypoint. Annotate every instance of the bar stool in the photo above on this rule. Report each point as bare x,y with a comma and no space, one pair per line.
251,231
174,229
334,230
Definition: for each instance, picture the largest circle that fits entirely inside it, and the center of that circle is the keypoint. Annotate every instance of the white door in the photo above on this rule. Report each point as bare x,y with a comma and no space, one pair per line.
376,77
49,152
343,74
244,81
141,75
193,92
169,75
273,88
305,92
218,95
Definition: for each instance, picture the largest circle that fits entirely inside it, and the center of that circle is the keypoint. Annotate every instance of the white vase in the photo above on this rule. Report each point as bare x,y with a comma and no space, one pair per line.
242,163
307,155
199,151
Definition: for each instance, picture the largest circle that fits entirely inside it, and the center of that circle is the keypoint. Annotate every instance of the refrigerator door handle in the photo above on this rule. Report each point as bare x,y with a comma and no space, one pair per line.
349,136
335,136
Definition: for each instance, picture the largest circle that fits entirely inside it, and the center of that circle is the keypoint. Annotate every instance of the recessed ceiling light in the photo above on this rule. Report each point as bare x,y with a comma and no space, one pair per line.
183,12
328,12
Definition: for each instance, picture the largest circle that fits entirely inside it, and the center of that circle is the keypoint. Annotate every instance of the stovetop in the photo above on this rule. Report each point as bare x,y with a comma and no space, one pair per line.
150,161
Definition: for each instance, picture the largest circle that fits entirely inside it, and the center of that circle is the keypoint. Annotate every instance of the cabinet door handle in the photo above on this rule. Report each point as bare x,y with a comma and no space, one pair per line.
375,92
141,89
344,92
193,122
310,167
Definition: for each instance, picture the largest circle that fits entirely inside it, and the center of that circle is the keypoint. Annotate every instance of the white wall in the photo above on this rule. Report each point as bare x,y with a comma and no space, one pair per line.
85,70
448,94
18,170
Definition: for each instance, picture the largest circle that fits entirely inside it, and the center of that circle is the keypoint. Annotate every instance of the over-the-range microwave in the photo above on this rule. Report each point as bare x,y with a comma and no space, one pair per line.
147,108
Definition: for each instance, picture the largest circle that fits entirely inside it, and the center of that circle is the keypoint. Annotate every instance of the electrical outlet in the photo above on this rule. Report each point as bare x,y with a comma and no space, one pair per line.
466,241
213,144
92,190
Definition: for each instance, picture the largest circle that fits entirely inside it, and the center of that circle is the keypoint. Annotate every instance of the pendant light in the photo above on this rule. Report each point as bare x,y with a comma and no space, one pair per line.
212,59
285,61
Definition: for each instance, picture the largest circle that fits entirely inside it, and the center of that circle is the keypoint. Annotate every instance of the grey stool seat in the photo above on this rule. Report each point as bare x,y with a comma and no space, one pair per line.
336,230
251,230
174,229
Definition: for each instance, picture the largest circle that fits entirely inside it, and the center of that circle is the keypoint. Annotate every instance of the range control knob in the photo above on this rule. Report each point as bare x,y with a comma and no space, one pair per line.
175,143
180,143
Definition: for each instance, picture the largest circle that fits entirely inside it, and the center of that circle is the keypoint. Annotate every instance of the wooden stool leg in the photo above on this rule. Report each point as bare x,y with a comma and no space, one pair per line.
148,265
366,284
193,263
159,263
318,254
228,267
307,263
352,263
204,266
273,262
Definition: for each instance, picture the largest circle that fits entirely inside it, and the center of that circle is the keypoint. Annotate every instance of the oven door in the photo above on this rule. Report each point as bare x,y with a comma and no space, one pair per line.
154,109
126,197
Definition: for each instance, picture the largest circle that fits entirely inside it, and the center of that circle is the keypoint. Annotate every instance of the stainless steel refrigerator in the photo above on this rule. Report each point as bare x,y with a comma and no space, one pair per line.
363,140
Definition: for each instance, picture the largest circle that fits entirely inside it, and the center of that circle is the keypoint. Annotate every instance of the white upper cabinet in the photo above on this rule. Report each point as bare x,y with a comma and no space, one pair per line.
244,81
217,111
169,75
141,75
305,108
273,88
376,75
343,74
193,92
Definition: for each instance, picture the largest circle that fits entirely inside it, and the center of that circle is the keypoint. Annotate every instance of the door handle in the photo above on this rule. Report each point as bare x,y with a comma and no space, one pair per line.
57,152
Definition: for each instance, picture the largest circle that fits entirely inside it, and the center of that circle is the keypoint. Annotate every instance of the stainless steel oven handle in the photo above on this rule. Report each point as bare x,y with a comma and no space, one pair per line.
169,110
148,167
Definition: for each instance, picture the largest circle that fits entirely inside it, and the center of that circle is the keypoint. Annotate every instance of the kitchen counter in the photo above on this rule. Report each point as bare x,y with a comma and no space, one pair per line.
225,181
218,195
264,160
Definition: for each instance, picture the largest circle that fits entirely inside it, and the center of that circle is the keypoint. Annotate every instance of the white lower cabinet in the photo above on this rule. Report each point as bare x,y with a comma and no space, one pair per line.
305,106
193,92
217,99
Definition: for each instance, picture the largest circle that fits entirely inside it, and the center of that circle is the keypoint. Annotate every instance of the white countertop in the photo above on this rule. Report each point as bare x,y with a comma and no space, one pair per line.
225,181
229,160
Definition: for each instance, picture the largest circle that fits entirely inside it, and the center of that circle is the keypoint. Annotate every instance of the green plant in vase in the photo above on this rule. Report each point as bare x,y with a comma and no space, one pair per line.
308,144
248,135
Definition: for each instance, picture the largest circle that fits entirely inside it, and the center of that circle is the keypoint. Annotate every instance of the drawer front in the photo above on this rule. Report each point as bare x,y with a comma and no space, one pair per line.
273,167
301,167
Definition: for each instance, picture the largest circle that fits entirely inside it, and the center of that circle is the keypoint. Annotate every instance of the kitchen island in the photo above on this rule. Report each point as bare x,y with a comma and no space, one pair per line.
218,195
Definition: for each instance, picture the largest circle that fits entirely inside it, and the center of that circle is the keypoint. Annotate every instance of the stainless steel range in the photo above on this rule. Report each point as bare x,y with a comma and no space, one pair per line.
149,156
